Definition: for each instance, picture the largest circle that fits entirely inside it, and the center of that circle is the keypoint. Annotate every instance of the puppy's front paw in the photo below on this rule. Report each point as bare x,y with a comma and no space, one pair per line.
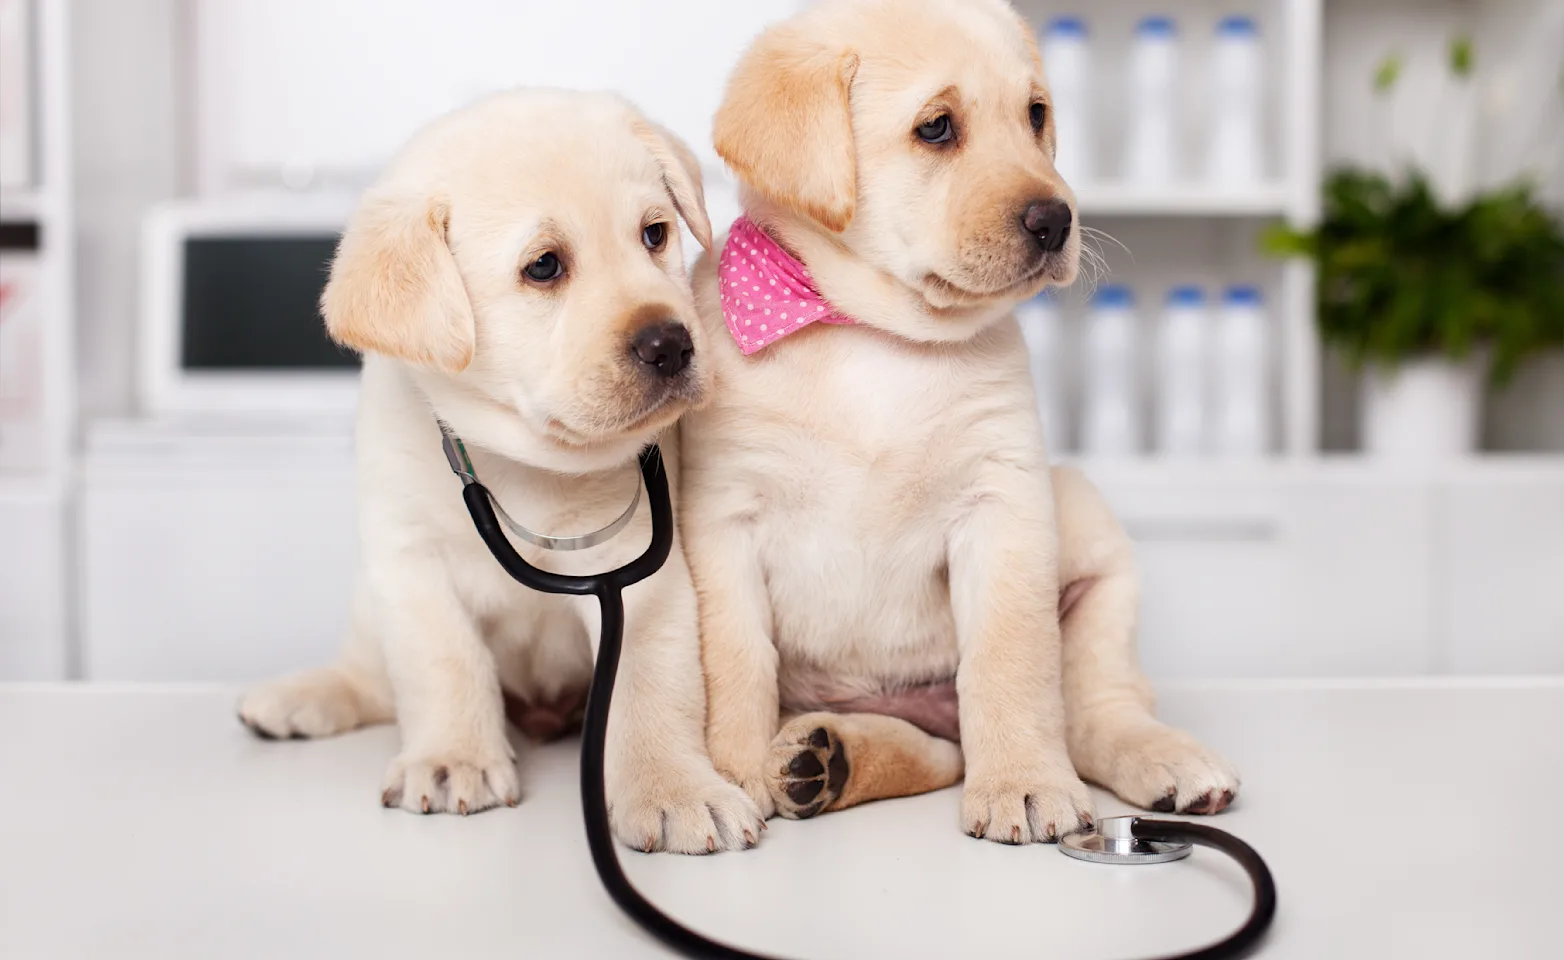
684,812
753,784
744,764
451,783
1167,770
1039,806
318,703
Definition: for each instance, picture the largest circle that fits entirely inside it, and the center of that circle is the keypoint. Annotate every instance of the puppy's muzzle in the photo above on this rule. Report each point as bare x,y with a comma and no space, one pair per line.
1047,222
663,349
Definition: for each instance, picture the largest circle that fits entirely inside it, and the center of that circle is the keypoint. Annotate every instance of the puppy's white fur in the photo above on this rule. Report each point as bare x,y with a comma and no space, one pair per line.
869,508
540,381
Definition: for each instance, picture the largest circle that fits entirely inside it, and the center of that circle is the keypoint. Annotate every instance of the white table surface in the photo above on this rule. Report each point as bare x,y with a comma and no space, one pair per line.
1401,819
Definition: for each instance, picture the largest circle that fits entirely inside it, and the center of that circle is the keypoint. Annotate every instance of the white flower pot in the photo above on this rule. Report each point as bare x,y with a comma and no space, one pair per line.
1423,410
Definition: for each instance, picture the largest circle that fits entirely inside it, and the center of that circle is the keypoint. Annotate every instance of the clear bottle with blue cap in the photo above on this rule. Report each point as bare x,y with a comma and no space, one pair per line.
1151,155
1110,397
1067,62
1234,149
1042,325
1183,374
1242,378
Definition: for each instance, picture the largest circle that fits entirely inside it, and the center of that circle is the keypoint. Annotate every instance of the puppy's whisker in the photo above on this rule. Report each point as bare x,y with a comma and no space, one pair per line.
1093,267
1094,259
1094,262
1099,235
1093,252
1100,266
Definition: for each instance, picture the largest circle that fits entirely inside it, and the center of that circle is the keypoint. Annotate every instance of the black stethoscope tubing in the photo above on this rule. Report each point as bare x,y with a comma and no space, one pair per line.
608,588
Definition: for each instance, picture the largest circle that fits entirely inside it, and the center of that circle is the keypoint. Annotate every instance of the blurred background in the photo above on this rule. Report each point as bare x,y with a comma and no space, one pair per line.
1315,360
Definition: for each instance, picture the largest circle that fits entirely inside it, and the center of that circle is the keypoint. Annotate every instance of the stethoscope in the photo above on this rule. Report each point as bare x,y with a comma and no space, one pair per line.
1114,839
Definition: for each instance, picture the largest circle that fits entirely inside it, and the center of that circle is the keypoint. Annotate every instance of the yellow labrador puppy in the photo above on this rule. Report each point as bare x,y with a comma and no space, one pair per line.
517,274
885,563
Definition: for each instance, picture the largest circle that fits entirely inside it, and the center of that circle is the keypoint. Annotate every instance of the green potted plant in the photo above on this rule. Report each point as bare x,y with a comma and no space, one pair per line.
1430,288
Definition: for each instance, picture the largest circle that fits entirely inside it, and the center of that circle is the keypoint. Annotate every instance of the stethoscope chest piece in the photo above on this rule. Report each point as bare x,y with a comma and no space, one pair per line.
1114,842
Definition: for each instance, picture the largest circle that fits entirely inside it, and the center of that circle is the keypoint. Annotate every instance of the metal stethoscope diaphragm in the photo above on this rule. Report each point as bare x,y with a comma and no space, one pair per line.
1119,840
1113,840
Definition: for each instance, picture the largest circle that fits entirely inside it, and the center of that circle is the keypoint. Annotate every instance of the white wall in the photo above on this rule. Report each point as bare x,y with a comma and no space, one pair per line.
339,84
130,124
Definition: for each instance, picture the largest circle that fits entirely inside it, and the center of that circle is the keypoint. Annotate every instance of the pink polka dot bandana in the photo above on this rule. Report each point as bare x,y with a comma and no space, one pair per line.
766,293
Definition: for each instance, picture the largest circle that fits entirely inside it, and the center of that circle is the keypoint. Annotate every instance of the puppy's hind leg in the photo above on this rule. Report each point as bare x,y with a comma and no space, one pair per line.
1114,739
831,761
351,693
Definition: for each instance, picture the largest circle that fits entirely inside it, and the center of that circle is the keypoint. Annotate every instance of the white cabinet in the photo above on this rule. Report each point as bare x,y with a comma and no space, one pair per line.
1345,568
1500,593
231,557
1212,607
1213,565
1277,570
33,581
1360,566
214,558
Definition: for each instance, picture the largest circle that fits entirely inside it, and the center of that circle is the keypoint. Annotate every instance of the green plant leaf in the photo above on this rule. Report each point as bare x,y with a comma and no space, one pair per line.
1280,240
1386,73
1400,276
1461,56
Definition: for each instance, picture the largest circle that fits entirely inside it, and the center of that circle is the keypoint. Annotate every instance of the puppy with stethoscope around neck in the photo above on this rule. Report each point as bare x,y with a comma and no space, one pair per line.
529,293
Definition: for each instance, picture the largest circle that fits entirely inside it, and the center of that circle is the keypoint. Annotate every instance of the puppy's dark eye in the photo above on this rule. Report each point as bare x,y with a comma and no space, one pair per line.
937,130
654,235
544,268
1039,116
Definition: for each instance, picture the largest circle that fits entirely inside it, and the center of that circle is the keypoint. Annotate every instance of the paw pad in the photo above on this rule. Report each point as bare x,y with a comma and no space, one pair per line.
814,777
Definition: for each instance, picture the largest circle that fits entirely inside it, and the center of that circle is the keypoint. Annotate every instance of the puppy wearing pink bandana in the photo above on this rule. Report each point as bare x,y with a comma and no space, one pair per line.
896,592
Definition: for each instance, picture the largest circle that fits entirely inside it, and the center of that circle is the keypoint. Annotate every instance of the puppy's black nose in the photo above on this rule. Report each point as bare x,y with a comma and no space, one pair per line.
665,347
1049,222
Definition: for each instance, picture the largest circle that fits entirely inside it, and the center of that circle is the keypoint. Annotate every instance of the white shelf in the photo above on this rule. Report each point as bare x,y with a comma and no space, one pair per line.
1183,200
178,447
26,490
34,576
22,205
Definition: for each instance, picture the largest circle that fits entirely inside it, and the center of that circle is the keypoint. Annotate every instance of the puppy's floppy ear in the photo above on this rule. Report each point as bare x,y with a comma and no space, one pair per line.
785,125
394,286
682,175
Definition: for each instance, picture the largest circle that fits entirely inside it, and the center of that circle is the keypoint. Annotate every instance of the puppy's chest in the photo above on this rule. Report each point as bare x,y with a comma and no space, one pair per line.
856,573
865,448
859,481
